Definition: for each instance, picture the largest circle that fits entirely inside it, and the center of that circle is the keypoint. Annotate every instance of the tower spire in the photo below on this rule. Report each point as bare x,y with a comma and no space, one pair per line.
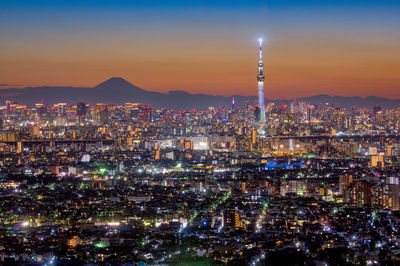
260,79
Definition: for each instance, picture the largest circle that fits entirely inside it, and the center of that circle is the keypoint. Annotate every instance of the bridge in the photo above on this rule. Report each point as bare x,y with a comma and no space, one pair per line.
340,137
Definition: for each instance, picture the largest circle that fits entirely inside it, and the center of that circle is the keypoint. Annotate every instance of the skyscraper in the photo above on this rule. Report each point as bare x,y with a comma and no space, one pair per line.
81,109
260,79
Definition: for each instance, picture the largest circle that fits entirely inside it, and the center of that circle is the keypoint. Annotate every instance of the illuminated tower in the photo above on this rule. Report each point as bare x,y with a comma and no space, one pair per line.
260,79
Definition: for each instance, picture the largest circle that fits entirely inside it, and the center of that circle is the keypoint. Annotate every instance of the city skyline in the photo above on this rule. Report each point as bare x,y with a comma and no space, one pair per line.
199,132
335,48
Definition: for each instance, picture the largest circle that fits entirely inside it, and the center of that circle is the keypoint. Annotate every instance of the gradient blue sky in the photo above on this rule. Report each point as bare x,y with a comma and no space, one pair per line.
312,47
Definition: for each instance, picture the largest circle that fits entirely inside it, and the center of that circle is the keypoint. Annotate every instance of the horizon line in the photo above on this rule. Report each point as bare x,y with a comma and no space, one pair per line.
4,87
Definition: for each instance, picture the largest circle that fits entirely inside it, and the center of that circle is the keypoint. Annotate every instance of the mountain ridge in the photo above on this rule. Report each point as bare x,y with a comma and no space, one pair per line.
117,90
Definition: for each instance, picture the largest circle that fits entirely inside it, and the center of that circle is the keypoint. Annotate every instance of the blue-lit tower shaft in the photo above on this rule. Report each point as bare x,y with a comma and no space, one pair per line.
260,79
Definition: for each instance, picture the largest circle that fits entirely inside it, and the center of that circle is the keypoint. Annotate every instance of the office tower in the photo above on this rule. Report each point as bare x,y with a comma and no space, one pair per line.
81,109
103,116
61,109
133,110
260,79
145,113
41,109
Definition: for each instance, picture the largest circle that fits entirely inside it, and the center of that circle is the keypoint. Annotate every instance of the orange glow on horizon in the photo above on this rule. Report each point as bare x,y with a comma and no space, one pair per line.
295,69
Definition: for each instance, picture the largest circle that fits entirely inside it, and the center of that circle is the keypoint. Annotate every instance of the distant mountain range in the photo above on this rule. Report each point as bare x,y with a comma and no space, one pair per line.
117,90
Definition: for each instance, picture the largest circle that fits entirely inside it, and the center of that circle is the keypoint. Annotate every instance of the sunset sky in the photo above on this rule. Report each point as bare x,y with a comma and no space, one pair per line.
342,47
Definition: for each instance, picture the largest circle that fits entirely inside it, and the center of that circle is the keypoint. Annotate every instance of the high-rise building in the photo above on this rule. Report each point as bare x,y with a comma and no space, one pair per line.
61,109
360,193
344,182
19,147
384,196
389,150
232,219
133,110
293,186
394,187
146,113
8,105
81,111
260,79
254,138
101,114
377,161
